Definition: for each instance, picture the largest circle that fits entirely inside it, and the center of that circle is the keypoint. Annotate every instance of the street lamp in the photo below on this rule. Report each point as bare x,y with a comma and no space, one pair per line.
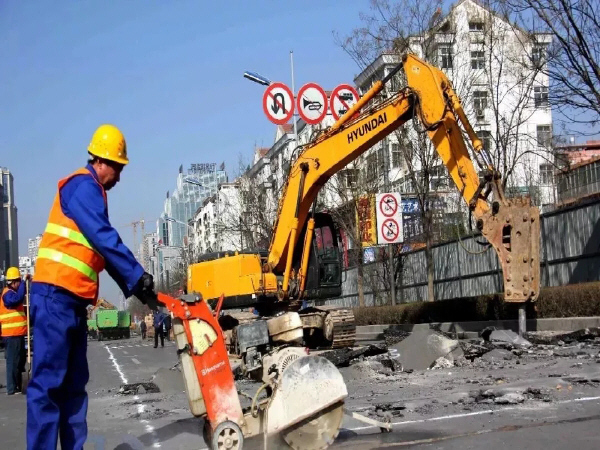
257,78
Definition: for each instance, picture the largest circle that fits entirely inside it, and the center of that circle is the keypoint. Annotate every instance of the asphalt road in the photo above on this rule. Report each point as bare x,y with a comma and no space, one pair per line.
162,420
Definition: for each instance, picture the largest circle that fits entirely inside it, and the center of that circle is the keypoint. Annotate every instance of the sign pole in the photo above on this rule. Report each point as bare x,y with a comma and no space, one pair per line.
294,93
387,165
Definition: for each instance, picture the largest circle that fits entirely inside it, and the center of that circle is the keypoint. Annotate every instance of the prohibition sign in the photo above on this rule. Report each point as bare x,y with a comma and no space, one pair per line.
388,205
390,230
278,103
312,103
342,99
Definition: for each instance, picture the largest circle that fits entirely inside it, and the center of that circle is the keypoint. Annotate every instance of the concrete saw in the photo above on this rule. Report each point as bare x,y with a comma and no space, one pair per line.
307,405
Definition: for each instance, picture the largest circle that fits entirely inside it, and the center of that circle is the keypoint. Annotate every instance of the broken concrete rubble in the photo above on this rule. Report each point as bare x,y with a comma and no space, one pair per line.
343,356
423,347
497,355
138,388
508,337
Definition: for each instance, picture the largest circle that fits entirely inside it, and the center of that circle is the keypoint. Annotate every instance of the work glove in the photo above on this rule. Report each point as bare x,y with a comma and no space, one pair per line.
144,291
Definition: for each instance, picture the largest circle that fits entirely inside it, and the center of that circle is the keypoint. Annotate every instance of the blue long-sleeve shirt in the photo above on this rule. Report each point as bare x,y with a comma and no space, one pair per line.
12,299
81,200
159,318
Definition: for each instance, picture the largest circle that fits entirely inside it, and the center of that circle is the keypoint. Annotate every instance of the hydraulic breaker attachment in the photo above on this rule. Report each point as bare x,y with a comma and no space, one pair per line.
513,229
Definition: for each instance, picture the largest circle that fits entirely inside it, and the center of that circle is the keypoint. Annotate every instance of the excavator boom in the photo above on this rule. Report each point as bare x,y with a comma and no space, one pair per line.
430,99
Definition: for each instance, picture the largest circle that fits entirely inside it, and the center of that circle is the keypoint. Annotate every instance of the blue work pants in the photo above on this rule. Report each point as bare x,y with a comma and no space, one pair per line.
56,398
15,363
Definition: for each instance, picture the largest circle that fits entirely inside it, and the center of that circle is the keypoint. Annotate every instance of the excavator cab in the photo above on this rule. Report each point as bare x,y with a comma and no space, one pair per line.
324,274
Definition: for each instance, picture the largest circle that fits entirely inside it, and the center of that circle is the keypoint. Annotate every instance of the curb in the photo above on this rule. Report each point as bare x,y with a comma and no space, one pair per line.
472,329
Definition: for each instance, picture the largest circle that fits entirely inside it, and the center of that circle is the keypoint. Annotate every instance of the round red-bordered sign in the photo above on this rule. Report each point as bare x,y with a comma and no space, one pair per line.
388,202
390,230
278,103
312,103
342,99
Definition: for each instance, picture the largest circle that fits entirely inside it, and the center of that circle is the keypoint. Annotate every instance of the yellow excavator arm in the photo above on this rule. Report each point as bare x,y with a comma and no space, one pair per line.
429,98
510,226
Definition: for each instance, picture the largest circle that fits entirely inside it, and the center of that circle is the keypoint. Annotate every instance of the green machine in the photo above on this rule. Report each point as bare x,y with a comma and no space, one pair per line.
113,324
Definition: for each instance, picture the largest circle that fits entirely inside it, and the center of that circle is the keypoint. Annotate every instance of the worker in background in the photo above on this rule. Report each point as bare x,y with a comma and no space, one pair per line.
167,323
78,243
14,329
143,329
158,321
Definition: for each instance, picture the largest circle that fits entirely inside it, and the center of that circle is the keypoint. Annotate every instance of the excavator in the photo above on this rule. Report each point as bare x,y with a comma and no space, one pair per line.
302,395
101,303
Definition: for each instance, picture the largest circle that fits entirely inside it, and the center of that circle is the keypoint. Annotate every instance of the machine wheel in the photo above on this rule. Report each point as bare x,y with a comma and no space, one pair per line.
99,336
227,436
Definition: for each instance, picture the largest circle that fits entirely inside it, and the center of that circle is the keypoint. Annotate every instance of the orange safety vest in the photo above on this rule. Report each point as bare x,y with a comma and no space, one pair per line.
14,321
65,257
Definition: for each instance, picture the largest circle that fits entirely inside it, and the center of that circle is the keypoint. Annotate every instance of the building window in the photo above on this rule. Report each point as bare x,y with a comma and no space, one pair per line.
349,177
445,56
480,99
477,59
546,174
486,139
396,156
544,136
476,26
538,54
372,167
540,95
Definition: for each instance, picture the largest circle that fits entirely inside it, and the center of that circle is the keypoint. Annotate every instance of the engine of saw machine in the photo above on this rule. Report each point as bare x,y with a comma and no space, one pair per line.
253,339
301,398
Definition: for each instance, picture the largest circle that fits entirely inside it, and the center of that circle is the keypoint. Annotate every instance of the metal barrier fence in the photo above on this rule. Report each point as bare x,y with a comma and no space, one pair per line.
569,253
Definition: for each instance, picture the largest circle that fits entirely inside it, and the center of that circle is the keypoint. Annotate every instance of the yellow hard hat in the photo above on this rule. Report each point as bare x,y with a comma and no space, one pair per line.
109,143
13,274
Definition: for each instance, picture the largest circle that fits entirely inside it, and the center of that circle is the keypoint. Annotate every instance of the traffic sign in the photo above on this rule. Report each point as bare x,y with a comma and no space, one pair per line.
390,231
312,103
389,218
278,103
342,99
388,205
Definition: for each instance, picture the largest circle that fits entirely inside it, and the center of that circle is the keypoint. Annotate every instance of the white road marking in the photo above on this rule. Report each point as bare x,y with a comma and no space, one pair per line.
125,351
140,406
135,361
476,413
116,364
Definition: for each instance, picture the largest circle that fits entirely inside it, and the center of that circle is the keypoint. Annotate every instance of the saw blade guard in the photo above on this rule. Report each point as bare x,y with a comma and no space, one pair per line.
308,386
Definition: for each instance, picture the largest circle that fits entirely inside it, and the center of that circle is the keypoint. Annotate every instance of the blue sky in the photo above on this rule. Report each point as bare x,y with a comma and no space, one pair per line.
169,73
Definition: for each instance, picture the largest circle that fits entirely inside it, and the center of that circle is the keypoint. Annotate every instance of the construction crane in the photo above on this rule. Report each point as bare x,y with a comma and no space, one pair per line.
135,225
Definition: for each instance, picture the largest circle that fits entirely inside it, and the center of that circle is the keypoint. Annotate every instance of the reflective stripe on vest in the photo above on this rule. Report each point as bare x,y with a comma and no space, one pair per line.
67,260
11,315
6,326
65,232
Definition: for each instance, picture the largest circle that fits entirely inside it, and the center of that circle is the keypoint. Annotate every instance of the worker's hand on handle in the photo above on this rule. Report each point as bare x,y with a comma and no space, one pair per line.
144,291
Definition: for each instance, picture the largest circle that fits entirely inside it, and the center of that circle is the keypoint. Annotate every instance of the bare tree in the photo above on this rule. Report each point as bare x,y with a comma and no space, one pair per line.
573,57
248,214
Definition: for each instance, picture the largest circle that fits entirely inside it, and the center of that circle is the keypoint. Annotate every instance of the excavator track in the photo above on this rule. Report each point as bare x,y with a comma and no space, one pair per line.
344,327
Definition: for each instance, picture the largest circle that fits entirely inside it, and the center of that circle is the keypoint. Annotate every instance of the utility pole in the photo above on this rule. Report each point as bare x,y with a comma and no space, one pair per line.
294,99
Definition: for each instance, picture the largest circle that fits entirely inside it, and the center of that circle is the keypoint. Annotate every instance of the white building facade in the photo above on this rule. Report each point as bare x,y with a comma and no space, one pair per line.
497,71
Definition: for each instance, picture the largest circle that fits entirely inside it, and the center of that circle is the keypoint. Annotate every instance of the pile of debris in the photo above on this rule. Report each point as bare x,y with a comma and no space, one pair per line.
426,348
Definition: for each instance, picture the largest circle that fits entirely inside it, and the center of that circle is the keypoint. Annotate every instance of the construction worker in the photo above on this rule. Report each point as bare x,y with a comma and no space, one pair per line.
158,322
78,243
14,329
